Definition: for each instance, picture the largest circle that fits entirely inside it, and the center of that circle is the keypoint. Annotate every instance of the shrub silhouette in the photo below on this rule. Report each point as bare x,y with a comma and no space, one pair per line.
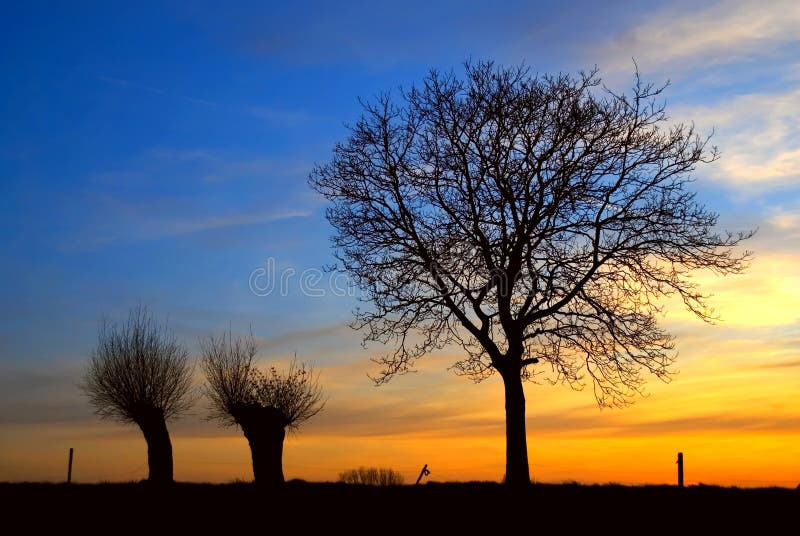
372,476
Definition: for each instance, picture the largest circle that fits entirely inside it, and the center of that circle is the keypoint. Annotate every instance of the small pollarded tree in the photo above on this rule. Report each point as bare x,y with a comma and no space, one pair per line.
139,373
264,404
536,221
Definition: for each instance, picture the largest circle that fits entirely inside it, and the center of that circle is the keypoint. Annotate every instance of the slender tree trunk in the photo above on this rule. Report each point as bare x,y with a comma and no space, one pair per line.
159,446
517,471
264,428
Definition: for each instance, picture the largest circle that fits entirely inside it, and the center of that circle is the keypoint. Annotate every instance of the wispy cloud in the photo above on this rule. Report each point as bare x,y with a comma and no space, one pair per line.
128,83
171,191
758,135
42,393
182,155
156,226
682,37
782,364
713,422
234,220
215,166
280,117
785,220
289,340
150,89
200,101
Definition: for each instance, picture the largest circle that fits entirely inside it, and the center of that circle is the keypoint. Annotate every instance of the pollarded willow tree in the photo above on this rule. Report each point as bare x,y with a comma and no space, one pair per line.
537,221
139,373
264,404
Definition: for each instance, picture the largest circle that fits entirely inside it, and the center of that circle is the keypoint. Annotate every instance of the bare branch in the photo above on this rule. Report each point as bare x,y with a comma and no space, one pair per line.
138,367
234,383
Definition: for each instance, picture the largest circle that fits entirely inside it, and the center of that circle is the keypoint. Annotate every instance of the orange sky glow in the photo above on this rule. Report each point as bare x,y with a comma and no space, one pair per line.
729,409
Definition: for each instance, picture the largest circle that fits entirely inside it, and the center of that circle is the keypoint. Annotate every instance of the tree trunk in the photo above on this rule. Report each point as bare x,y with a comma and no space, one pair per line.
159,446
266,448
264,429
517,472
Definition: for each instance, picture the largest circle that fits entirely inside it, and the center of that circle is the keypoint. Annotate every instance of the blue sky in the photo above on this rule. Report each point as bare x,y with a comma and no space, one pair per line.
157,152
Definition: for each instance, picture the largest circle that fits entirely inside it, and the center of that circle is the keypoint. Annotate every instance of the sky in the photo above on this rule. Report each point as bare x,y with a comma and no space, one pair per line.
157,153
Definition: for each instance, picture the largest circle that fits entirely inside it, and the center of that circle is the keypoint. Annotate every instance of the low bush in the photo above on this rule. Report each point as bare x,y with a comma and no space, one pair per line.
371,476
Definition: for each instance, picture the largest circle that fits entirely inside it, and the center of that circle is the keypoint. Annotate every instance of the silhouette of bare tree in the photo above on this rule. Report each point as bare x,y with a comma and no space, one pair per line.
537,221
139,373
263,403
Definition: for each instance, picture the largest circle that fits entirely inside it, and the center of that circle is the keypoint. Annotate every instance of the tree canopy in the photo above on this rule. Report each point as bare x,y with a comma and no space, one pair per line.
138,365
235,381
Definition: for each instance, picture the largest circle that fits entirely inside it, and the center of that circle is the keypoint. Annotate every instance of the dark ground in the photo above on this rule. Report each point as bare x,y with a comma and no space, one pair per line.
471,508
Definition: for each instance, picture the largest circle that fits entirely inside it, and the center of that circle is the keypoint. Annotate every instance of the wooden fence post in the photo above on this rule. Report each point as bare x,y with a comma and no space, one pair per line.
69,467
680,469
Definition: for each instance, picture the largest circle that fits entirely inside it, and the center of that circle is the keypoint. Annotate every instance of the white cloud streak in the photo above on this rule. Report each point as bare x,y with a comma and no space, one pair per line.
156,228
758,134
683,37
280,117
141,87
235,220
127,83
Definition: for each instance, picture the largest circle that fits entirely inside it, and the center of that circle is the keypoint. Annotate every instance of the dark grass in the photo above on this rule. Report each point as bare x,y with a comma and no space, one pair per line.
325,508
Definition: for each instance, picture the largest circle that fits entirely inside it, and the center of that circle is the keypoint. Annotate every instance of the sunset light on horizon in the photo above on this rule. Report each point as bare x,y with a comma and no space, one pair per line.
158,154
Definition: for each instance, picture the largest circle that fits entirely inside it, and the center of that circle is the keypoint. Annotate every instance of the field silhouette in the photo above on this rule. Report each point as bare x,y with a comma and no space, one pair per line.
303,508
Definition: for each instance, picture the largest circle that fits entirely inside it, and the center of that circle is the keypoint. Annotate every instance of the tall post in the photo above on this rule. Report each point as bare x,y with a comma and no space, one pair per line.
69,467
680,469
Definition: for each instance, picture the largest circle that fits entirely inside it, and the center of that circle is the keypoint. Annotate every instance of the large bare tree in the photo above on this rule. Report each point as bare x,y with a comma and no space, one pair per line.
264,404
139,373
537,221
